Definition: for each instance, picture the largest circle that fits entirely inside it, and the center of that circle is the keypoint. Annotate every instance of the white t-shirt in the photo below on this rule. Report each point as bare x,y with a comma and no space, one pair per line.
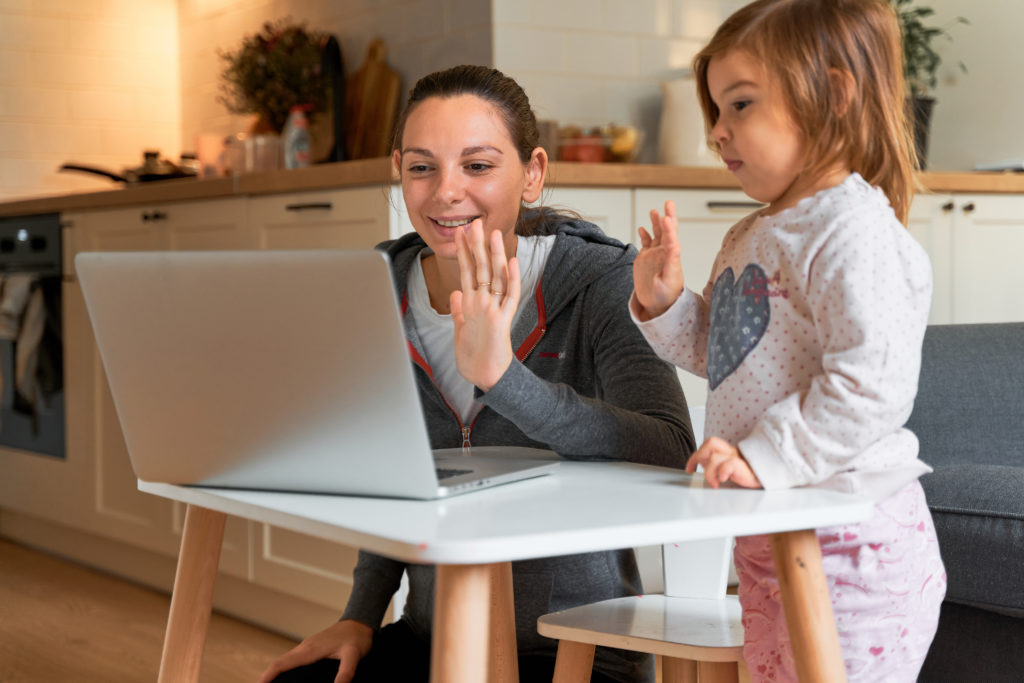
437,331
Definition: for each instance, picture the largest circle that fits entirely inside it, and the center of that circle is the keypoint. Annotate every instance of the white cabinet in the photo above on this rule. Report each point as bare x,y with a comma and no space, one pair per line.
974,242
930,223
611,209
987,240
95,485
337,219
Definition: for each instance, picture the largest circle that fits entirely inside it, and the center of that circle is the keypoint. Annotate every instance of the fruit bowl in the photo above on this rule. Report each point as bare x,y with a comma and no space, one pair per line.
599,144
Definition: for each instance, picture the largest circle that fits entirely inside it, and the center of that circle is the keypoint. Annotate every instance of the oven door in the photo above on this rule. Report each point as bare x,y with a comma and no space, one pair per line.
31,344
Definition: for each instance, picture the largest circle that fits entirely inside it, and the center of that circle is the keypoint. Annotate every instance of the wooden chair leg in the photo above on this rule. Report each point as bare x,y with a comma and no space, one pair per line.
675,670
574,662
718,672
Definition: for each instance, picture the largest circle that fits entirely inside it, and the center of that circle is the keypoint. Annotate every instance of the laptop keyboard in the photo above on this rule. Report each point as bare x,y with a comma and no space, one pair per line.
447,472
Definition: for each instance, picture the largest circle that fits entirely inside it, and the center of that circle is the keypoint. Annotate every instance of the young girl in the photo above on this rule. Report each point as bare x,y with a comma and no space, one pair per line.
809,330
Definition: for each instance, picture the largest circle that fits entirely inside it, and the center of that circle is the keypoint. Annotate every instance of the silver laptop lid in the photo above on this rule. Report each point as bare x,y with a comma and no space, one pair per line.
284,370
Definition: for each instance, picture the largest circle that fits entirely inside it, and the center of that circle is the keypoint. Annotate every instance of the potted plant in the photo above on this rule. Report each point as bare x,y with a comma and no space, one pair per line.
272,71
920,66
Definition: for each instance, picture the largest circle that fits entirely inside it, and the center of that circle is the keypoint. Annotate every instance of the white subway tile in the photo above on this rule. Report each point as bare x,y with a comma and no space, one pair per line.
27,103
506,12
644,17
575,15
699,19
102,36
65,141
15,138
569,99
32,32
14,68
101,105
661,59
467,14
527,49
605,55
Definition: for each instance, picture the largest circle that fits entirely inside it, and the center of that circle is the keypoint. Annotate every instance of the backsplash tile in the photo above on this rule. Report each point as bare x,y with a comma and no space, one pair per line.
89,81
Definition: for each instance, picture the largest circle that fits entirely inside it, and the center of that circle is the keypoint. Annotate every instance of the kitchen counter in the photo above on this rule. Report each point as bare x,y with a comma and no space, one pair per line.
378,171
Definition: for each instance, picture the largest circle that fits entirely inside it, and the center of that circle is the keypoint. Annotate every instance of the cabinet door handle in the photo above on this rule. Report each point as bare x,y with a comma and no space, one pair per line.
734,206
968,207
947,207
153,216
323,206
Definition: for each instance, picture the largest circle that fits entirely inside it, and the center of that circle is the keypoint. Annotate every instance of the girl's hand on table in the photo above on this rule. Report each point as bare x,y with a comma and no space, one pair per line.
657,272
483,310
347,641
722,462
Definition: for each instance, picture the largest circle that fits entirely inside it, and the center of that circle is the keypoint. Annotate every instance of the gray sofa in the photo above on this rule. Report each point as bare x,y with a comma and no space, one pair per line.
969,417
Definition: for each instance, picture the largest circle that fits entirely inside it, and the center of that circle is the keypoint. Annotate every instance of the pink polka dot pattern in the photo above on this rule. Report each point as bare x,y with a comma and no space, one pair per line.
822,397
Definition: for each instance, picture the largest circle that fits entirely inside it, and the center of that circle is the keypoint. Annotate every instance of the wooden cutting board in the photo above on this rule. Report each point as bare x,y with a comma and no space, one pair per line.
371,103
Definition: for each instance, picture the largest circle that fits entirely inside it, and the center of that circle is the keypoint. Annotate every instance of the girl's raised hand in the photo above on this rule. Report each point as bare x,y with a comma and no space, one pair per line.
484,309
722,462
657,273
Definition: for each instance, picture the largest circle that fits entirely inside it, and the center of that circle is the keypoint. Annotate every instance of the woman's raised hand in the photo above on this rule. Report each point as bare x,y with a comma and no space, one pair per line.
483,310
657,273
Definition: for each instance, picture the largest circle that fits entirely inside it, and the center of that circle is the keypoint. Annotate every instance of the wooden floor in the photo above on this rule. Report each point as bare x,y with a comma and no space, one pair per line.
62,622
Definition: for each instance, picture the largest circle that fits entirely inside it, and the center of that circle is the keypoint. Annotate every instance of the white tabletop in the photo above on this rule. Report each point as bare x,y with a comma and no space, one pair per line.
582,507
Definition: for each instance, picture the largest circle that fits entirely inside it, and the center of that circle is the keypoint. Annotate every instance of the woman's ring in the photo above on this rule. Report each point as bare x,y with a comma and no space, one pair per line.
482,284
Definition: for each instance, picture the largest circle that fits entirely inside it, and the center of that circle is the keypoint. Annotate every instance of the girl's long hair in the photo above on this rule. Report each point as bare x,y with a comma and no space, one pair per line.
858,119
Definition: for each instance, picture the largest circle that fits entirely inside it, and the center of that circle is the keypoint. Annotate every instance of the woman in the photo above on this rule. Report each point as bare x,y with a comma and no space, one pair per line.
533,303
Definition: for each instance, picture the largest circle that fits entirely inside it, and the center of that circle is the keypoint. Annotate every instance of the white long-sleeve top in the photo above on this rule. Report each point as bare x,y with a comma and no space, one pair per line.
809,332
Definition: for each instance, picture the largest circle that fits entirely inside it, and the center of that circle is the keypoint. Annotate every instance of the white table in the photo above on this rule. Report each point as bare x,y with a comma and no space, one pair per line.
473,538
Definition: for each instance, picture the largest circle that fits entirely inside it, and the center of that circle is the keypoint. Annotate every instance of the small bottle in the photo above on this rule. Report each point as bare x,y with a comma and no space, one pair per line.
296,138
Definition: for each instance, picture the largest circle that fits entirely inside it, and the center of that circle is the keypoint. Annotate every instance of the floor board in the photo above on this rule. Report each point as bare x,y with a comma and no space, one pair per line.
60,621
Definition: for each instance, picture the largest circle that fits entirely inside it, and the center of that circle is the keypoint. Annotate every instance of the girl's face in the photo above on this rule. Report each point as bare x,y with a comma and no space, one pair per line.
758,139
457,163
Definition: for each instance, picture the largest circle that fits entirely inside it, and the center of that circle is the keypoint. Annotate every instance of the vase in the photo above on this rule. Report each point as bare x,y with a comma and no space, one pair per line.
261,125
920,112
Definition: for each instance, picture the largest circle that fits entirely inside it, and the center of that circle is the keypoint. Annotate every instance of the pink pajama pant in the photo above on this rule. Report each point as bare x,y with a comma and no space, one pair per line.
886,580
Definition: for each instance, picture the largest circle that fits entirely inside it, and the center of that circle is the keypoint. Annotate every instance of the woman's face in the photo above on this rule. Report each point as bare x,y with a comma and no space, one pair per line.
458,163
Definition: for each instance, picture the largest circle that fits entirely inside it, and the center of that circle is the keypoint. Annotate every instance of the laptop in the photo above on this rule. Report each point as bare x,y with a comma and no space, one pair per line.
273,370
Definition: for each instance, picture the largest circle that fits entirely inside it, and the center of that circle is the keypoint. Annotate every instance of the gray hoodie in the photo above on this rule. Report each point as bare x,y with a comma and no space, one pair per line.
584,384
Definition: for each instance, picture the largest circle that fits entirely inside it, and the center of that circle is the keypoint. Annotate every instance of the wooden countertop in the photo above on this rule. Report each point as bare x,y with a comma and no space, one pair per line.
378,171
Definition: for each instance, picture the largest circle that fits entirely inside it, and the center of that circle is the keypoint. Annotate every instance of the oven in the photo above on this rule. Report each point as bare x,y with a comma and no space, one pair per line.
31,339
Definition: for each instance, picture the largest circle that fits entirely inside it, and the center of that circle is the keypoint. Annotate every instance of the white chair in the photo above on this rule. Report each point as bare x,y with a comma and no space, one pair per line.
693,627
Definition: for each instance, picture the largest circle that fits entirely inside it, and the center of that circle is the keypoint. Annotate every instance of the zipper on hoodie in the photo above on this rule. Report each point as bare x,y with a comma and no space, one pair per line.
524,350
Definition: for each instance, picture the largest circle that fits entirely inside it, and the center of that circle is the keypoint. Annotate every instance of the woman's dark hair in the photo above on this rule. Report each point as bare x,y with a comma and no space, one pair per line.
512,104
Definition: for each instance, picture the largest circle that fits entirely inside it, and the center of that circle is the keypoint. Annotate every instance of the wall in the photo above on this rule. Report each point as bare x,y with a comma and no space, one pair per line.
591,62
977,115
93,81
421,36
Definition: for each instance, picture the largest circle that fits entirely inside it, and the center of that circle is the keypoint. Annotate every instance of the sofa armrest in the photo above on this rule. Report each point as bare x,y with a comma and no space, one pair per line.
979,517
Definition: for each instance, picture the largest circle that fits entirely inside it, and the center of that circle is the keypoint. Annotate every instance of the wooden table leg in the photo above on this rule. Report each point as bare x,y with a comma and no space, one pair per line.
808,607
504,656
462,605
193,594
574,662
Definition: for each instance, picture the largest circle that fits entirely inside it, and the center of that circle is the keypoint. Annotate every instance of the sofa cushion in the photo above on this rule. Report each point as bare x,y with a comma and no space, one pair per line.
979,519
970,398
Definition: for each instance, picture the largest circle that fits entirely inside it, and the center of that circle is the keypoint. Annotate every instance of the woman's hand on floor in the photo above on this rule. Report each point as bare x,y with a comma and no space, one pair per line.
347,641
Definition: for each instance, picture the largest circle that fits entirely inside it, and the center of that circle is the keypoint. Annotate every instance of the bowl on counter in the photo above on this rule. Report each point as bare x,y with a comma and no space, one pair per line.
609,143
